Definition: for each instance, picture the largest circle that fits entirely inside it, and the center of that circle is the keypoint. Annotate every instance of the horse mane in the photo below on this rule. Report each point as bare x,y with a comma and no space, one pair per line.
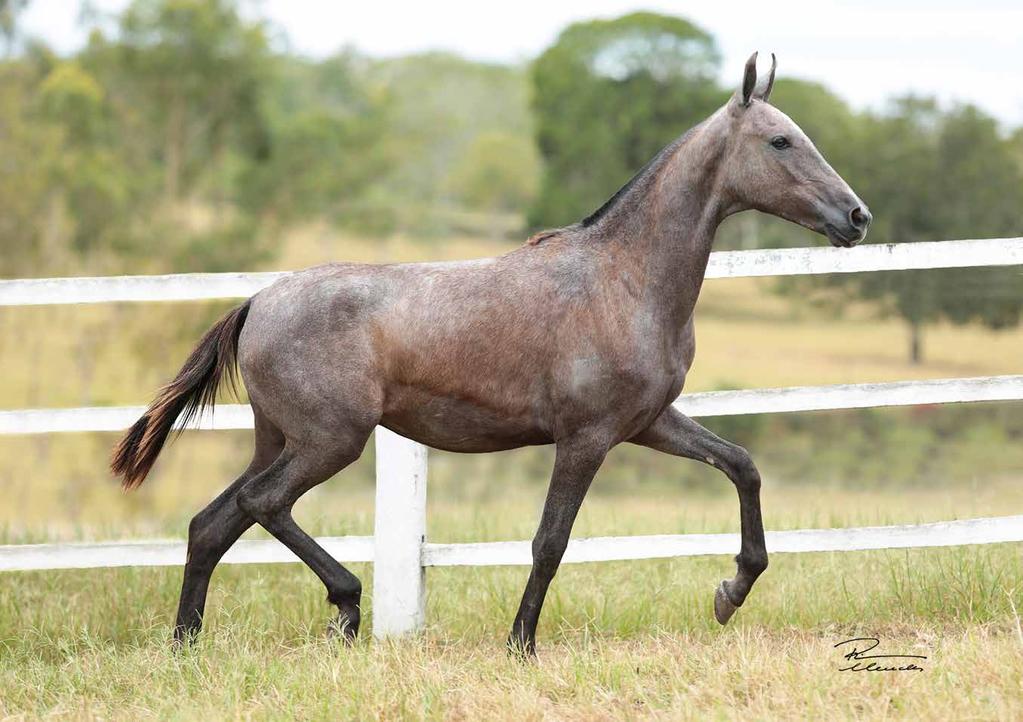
611,203
643,173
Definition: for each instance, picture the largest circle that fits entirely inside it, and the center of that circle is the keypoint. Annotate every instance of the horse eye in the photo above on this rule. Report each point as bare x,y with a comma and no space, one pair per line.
780,142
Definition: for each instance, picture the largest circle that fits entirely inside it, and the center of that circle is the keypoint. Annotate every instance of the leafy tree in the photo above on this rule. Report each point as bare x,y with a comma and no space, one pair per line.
197,69
26,147
931,175
327,146
497,172
87,179
607,96
182,97
319,164
441,107
9,10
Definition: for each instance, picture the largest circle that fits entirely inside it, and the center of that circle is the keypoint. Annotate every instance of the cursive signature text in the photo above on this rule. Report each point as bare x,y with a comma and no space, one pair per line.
858,648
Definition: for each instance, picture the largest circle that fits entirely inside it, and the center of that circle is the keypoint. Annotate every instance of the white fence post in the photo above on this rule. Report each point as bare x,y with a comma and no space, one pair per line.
399,583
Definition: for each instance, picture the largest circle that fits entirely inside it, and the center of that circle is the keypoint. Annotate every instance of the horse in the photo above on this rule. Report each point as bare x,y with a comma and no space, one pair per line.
580,338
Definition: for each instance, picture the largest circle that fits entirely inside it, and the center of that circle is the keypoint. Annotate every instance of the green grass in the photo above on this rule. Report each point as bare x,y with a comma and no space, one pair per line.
617,640
623,639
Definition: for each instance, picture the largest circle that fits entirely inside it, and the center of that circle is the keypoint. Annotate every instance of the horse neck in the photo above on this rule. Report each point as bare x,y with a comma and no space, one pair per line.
664,229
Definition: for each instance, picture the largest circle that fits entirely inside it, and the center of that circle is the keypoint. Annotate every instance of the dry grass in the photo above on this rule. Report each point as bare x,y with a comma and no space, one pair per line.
619,640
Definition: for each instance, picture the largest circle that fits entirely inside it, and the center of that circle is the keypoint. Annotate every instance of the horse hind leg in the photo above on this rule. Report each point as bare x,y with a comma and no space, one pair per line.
268,498
216,528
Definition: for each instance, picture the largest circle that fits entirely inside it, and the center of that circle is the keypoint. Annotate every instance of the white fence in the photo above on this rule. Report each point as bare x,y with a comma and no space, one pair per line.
398,547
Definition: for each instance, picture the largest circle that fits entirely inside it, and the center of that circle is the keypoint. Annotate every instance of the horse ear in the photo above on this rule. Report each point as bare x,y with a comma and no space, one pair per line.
749,79
764,91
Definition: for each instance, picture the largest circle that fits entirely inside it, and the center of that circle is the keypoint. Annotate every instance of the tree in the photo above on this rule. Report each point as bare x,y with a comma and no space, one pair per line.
88,181
932,175
442,109
327,148
497,172
181,97
197,69
27,148
607,96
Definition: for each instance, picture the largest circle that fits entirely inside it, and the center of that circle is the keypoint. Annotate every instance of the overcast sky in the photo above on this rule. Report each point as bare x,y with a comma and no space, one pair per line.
865,51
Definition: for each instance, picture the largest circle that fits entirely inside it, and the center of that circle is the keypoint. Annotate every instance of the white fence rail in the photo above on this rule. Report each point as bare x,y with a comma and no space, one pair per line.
708,403
725,264
171,552
399,549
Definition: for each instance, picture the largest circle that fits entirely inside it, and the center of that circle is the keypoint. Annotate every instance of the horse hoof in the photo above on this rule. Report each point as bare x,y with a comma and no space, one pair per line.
342,630
521,651
723,607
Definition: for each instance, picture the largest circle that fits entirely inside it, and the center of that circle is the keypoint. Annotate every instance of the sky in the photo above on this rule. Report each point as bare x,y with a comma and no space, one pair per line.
865,51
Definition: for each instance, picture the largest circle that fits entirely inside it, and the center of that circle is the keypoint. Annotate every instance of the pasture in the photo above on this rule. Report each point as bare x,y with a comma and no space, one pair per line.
618,640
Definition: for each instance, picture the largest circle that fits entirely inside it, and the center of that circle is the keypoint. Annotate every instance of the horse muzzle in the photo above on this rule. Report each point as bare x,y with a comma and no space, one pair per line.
850,229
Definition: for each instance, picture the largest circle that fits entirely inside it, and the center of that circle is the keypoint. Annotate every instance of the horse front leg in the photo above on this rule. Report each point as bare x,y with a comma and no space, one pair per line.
675,433
576,462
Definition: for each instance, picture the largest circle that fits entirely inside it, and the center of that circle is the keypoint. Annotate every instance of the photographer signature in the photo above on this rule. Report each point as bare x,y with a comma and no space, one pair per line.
863,662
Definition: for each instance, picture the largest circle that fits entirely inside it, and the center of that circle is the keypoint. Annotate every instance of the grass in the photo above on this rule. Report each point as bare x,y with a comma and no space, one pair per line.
618,640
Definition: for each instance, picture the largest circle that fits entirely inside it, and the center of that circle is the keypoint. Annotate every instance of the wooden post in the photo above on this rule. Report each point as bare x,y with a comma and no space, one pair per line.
399,584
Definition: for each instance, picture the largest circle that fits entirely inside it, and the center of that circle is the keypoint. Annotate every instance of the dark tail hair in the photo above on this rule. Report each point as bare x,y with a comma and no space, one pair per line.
193,390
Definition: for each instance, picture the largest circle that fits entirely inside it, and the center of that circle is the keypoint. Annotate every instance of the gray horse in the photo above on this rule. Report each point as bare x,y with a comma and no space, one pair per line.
580,338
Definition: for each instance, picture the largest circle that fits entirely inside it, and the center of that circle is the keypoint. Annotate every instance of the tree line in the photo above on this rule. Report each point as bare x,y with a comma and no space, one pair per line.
185,136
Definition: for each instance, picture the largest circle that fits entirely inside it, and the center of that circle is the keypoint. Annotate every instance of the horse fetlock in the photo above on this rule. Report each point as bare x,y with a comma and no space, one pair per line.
753,564
346,597
185,633
349,613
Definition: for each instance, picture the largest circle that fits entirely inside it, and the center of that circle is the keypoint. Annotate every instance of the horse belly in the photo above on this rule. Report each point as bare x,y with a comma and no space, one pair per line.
455,424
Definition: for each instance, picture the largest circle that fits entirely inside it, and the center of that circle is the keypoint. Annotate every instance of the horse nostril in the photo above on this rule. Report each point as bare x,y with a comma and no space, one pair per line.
859,217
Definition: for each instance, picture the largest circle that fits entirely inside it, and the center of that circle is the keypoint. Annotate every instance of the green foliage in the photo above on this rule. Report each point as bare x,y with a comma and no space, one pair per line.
308,170
447,113
179,139
24,190
197,71
931,174
497,172
9,10
607,96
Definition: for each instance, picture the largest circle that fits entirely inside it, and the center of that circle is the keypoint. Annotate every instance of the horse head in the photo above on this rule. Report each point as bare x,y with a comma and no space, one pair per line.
773,167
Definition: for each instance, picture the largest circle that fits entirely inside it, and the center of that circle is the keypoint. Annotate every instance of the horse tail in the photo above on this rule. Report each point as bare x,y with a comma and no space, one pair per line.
193,390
